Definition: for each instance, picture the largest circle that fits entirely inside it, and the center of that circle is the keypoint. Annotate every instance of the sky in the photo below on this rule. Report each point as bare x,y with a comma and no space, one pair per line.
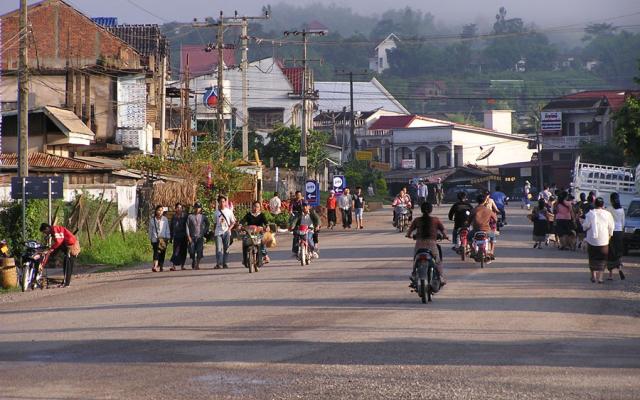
545,13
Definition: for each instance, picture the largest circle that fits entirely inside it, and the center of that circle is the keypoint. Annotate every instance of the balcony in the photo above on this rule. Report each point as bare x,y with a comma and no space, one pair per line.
569,142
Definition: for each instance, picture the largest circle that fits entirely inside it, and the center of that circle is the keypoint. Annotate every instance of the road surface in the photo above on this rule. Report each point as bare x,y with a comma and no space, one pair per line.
529,326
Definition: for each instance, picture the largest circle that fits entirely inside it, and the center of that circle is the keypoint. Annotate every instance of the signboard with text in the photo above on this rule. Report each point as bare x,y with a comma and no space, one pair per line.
380,166
312,193
551,121
338,184
408,164
364,155
37,187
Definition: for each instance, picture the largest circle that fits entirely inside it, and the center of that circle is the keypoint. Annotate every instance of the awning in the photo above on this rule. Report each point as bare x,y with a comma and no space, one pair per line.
70,125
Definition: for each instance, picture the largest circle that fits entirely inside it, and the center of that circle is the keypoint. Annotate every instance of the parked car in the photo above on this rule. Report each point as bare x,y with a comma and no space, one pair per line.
632,226
451,194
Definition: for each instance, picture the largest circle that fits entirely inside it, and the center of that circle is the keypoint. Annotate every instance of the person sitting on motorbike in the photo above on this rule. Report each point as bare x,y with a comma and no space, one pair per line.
256,218
427,229
402,200
500,199
481,221
309,218
460,214
62,240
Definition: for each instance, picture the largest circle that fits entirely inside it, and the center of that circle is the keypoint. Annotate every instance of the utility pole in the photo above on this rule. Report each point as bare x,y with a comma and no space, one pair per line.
539,149
223,22
352,127
23,95
304,92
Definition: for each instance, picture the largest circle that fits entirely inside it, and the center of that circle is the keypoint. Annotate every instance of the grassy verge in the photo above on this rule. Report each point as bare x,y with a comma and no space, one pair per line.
4,291
115,252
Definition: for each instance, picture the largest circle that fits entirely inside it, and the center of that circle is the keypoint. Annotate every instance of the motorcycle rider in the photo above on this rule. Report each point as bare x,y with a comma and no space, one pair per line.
256,218
481,221
62,240
295,209
309,218
427,230
500,199
460,214
402,200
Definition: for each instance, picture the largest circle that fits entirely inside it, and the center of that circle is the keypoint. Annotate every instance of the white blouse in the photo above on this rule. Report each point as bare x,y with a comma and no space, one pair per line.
599,226
618,219
158,229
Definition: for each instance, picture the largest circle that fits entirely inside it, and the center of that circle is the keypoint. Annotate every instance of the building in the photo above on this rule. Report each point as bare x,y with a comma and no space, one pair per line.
379,61
571,120
78,65
197,60
367,96
420,143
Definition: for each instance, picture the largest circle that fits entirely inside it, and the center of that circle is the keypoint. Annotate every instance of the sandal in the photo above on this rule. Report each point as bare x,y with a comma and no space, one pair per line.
155,269
172,269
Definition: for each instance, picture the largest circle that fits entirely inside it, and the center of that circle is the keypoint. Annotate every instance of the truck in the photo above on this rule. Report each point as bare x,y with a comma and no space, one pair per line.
606,179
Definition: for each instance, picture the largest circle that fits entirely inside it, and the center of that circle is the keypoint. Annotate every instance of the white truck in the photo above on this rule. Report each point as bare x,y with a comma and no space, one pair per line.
606,179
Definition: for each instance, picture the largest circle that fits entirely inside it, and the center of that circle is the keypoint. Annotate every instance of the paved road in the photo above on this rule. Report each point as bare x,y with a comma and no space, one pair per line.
530,326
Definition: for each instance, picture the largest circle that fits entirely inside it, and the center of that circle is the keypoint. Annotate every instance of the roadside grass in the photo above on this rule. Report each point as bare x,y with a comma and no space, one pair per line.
9,290
114,252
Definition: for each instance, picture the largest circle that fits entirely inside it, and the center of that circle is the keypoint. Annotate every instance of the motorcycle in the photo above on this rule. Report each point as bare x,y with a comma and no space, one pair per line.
463,243
480,248
252,240
402,218
30,274
304,252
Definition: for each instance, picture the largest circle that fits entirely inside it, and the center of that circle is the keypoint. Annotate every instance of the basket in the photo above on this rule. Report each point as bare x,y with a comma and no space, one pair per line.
8,273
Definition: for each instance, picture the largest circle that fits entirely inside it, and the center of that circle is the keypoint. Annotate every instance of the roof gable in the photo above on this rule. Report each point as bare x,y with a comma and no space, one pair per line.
203,62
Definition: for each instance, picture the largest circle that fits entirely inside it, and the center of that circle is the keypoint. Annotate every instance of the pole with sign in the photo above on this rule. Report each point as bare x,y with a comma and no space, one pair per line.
36,187
339,184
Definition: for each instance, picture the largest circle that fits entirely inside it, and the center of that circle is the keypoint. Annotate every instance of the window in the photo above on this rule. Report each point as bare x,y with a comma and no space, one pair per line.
583,127
565,157
571,129
381,62
265,118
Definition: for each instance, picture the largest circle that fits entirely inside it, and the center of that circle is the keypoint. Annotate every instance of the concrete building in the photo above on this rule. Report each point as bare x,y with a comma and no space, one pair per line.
379,61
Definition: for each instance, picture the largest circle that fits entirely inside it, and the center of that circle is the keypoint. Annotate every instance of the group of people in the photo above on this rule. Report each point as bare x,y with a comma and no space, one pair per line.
568,222
350,206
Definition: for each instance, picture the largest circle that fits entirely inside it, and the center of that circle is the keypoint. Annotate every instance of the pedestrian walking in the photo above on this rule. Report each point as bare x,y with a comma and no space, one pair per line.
540,218
423,192
565,226
439,192
159,236
225,220
370,191
197,229
358,206
178,228
345,202
598,224
616,245
332,203
275,204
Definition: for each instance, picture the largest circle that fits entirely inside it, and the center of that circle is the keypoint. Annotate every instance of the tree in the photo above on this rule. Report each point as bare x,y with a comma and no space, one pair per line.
504,25
283,146
599,29
469,31
317,151
627,132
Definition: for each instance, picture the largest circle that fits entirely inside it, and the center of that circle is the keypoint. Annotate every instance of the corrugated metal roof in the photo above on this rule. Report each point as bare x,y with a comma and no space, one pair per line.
147,38
107,22
367,96
43,160
294,75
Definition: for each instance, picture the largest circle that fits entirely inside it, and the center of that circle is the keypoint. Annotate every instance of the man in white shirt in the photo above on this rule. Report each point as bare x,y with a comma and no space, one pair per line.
345,203
225,221
423,192
599,225
274,204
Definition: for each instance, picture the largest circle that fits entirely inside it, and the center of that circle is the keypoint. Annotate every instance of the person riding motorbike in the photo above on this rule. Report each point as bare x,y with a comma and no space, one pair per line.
460,214
427,229
309,218
500,199
256,218
481,222
401,200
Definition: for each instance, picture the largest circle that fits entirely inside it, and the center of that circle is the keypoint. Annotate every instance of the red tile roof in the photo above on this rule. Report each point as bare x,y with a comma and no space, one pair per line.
616,98
294,75
202,62
387,122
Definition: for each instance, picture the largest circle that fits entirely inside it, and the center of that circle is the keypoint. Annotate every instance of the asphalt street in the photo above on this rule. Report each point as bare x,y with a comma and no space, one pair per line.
529,326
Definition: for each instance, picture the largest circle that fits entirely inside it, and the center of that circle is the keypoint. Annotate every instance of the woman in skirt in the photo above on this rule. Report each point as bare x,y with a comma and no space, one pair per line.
616,245
540,219
598,224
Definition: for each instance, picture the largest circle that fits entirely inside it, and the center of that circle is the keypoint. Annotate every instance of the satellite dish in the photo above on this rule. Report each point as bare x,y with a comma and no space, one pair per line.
485,153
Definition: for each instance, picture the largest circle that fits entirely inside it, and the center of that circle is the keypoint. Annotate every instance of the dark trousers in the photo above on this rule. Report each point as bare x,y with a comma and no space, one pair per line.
196,248
158,255
180,246
331,217
347,218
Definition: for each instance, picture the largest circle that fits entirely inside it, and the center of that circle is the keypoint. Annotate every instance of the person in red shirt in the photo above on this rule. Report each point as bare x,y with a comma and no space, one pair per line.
331,210
62,240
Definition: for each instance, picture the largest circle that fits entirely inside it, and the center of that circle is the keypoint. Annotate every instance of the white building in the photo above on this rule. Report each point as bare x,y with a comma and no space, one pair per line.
379,61
367,96
426,143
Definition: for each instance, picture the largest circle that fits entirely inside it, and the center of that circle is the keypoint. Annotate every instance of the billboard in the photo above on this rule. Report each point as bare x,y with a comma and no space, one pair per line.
551,121
364,155
132,112
408,164
339,183
312,193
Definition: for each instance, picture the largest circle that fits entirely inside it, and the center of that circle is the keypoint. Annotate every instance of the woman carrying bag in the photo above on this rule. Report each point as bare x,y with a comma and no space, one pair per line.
159,236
